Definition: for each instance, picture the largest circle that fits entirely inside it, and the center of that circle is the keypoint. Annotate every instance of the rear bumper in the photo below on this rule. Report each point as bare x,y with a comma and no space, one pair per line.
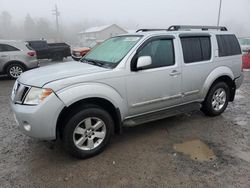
238,81
32,64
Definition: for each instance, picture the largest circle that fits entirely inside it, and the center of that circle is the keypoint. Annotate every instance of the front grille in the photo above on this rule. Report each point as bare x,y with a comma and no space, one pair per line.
19,93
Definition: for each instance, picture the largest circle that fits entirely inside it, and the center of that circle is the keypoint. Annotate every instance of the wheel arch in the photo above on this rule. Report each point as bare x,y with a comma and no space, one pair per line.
223,74
13,62
76,106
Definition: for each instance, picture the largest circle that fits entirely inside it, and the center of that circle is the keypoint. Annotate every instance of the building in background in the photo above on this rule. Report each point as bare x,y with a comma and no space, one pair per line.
99,34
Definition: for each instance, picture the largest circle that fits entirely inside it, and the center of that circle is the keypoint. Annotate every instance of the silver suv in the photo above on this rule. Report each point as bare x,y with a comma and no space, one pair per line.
126,81
16,57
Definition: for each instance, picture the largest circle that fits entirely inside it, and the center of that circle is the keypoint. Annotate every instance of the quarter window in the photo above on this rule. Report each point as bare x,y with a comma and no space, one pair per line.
7,48
161,51
228,45
196,49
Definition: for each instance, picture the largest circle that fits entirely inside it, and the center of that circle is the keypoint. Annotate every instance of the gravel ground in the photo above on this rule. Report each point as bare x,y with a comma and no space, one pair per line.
142,156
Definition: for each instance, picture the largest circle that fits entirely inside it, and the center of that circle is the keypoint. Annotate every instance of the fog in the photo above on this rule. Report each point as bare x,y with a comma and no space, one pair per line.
76,15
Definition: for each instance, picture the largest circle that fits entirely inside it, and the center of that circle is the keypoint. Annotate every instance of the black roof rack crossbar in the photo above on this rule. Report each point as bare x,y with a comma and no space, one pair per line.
189,27
186,27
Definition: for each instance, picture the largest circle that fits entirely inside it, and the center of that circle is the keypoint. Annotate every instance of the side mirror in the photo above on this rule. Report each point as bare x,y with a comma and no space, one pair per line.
143,61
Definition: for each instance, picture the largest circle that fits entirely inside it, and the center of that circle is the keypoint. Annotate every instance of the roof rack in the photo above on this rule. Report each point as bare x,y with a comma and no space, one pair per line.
185,27
189,27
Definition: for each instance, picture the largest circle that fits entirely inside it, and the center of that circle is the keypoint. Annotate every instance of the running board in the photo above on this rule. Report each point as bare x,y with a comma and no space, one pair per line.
161,114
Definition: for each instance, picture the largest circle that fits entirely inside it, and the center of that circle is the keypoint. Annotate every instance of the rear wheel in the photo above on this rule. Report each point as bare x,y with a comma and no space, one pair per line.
15,70
217,99
87,132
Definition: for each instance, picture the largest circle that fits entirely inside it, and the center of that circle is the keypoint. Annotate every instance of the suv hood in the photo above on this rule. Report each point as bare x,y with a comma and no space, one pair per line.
41,76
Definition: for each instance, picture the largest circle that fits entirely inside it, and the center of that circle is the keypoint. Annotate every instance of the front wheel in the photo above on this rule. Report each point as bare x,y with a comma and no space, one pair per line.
87,132
217,99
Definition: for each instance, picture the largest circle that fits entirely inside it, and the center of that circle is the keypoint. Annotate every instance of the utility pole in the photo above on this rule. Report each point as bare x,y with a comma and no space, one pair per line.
219,14
57,14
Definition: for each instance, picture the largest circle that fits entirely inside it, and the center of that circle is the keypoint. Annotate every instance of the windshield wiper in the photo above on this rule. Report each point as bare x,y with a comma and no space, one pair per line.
93,62
97,63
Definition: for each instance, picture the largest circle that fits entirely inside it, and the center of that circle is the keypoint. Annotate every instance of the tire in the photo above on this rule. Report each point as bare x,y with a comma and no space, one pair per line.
57,57
14,70
217,99
88,131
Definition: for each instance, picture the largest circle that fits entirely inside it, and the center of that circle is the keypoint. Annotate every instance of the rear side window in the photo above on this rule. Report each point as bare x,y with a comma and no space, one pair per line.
228,45
196,49
7,48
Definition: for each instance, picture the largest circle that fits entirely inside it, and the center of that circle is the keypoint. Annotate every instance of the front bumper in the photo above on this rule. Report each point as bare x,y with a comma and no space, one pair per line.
77,58
42,118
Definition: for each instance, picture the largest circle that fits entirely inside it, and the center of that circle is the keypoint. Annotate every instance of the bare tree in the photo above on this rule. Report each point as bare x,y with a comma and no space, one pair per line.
6,25
29,28
44,29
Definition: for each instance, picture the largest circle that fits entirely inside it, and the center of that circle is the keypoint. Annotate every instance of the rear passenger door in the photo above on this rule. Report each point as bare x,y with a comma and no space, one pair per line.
197,57
4,56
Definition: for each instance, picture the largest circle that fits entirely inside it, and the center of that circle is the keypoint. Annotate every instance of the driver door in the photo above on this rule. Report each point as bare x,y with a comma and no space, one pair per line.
156,86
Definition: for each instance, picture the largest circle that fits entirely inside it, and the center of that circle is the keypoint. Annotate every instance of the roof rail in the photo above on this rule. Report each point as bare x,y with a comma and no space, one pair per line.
147,30
186,27
189,27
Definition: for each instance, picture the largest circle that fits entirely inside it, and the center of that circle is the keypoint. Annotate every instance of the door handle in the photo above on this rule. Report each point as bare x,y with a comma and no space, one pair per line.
174,73
4,56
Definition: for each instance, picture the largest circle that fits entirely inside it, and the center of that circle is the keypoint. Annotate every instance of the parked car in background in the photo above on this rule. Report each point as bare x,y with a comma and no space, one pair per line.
16,57
54,51
246,60
79,52
245,44
126,81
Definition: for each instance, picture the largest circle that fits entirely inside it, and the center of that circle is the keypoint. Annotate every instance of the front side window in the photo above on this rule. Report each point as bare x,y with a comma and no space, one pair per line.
112,51
1,47
161,51
196,49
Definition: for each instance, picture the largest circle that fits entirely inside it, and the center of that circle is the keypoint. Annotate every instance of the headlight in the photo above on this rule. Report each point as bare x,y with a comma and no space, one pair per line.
36,95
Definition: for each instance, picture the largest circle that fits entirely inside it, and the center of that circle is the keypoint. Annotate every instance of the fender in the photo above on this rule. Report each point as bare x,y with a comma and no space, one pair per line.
215,74
14,61
75,93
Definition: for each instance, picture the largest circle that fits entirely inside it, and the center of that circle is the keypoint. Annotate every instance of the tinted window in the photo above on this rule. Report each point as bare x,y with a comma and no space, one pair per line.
7,48
38,44
161,51
228,45
196,49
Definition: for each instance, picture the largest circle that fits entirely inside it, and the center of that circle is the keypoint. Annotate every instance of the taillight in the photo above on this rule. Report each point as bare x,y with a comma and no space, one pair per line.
31,53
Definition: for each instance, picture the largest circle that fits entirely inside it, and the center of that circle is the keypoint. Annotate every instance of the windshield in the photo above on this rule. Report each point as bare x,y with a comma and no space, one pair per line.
112,51
244,41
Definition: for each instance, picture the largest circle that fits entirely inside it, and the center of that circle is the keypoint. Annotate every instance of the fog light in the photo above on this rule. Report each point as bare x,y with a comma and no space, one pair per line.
26,126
